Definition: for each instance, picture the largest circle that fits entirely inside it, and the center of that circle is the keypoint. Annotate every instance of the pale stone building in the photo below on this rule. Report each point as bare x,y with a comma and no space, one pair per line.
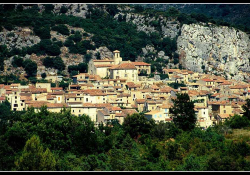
124,69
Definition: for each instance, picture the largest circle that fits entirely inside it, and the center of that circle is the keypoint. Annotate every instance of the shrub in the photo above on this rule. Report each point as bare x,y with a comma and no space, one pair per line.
63,29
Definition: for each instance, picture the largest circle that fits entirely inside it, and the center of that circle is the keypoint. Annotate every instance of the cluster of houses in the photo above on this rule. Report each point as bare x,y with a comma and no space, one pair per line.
112,89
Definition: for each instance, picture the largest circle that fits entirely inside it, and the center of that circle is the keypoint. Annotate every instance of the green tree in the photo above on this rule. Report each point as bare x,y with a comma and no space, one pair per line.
63,85
44,75
7,156
72,68
48,62
137,124
237,121
17,61
58,63
73,73
53,50
84,137
63,29
87,57
30,67
246,109
43,32
112,9
183,112
48,7
83,67
33,157
63,9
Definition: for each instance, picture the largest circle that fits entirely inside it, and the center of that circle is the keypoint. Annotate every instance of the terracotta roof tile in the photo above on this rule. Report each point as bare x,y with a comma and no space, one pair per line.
140,101
123,66
223,116
207,80
140,64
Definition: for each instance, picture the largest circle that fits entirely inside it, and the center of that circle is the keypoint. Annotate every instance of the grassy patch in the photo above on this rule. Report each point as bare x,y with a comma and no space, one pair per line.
239,134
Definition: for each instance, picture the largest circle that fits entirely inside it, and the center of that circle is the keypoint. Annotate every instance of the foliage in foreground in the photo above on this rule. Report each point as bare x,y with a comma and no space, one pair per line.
64,142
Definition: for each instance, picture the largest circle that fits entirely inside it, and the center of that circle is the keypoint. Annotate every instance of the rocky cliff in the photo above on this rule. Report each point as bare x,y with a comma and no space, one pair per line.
217,49
18,38
167,27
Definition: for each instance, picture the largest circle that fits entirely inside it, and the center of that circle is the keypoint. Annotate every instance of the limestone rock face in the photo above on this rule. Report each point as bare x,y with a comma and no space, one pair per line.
223,48
166,27
79,10
18,38
103,51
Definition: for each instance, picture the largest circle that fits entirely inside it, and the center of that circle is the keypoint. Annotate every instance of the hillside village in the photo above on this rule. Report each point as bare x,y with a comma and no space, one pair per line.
112,89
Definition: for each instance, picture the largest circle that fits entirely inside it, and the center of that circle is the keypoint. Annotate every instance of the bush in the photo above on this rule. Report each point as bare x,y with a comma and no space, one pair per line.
17,61
55,62
43,32
63,9
43,75
63,29
237,121
30,67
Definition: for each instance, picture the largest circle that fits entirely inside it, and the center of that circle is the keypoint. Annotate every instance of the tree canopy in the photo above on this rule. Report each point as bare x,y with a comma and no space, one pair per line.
183,112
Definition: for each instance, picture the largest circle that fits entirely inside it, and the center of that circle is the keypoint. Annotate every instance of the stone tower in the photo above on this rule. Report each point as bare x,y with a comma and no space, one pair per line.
117,57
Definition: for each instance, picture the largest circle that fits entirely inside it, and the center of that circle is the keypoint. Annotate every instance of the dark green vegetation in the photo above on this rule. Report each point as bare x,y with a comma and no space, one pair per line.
47,141
234,15
54,62
183,112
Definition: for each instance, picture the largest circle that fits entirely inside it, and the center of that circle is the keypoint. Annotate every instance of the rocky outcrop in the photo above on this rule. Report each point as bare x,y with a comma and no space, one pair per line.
18,38
165,26
217,49
78,10
103,51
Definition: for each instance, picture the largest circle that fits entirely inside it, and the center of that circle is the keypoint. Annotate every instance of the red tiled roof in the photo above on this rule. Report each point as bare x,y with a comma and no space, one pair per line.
56,105
238,87
140,100
56,88
224,115
207,80
123,66
140,64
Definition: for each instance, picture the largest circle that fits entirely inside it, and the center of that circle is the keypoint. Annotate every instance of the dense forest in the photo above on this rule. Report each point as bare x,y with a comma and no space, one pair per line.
46,141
